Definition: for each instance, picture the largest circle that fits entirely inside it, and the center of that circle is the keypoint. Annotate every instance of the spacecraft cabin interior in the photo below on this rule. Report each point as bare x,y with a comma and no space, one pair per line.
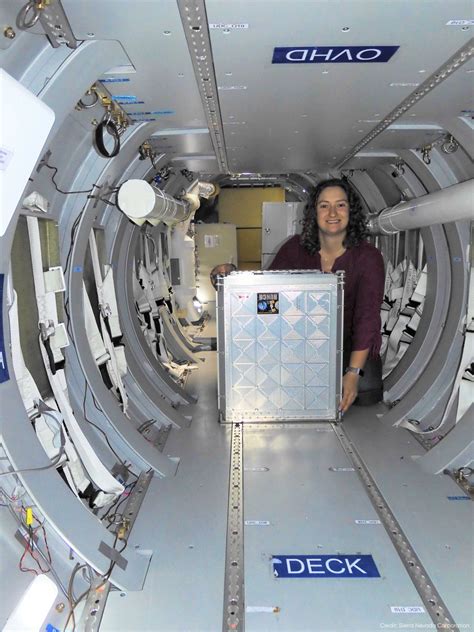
172,458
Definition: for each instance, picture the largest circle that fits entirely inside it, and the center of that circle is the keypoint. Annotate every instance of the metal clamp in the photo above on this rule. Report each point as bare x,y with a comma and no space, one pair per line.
22,20
146,151
46,331
53,20
426,154
450,145
87,106
464,473
400,167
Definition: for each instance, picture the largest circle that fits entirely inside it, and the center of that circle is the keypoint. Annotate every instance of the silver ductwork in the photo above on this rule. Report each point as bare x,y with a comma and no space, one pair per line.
141,202
448,205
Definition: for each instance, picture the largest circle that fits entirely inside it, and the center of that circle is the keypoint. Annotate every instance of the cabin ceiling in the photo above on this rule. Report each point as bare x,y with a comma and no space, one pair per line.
281,118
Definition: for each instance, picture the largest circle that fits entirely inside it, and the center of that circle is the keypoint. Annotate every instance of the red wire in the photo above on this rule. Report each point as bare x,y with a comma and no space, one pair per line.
29,548
20,565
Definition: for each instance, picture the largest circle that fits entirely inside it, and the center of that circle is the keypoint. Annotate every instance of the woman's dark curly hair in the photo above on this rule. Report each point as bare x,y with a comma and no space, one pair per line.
356,229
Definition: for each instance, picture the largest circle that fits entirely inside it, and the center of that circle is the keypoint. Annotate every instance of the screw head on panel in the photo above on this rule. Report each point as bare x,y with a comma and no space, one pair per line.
9,32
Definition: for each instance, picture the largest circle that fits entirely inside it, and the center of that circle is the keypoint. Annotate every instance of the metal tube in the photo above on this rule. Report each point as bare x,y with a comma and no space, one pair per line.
142,203
448,205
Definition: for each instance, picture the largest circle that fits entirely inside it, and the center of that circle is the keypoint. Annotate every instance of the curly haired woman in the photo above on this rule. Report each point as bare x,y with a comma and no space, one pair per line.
334,238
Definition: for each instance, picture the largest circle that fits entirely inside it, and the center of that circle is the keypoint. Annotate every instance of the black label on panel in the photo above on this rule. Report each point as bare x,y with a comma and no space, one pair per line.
267,303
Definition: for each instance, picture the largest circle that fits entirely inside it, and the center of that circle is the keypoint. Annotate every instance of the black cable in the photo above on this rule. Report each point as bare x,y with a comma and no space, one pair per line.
118,502
66,265
100,429
146,424
55,169
95,425
113,564
73,232
106,201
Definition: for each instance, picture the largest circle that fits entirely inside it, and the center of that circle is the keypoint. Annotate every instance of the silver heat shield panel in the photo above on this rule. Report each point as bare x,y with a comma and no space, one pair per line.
279,346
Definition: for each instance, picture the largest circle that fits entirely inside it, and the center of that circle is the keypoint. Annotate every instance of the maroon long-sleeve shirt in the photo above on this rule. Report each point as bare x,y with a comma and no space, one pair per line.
363,288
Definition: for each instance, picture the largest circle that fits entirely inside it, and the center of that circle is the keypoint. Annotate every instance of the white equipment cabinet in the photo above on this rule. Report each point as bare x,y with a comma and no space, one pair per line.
280,220
279,346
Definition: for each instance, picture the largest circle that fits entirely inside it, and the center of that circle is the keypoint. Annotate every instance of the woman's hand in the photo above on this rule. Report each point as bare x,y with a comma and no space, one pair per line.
350,389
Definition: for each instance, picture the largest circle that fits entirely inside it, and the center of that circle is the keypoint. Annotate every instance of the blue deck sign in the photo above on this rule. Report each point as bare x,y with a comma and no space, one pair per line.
333,54
323,566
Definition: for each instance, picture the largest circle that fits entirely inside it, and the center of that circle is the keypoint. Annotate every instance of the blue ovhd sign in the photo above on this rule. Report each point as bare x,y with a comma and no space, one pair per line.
332,54
355,566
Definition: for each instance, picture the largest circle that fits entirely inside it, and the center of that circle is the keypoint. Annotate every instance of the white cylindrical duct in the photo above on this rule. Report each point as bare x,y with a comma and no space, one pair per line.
448,205
142,203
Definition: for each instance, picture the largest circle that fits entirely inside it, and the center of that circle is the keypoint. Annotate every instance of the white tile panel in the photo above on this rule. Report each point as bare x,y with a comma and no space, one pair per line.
284,365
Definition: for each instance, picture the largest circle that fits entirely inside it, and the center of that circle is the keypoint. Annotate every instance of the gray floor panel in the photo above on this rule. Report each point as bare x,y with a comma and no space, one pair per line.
185,518
440,530
312,510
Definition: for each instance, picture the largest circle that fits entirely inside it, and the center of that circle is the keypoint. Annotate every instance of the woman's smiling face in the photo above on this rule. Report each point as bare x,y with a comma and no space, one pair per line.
332,211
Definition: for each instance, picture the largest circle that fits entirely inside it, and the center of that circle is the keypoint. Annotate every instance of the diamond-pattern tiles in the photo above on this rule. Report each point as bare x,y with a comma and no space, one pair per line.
292,398
293,327
292,351
243,328
271,390
318,303
268,352
243,398
316,374
293,303
266,374
292,375
318,326
243,303
316,351
317,398
268,327
280,363
243,375
245,351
